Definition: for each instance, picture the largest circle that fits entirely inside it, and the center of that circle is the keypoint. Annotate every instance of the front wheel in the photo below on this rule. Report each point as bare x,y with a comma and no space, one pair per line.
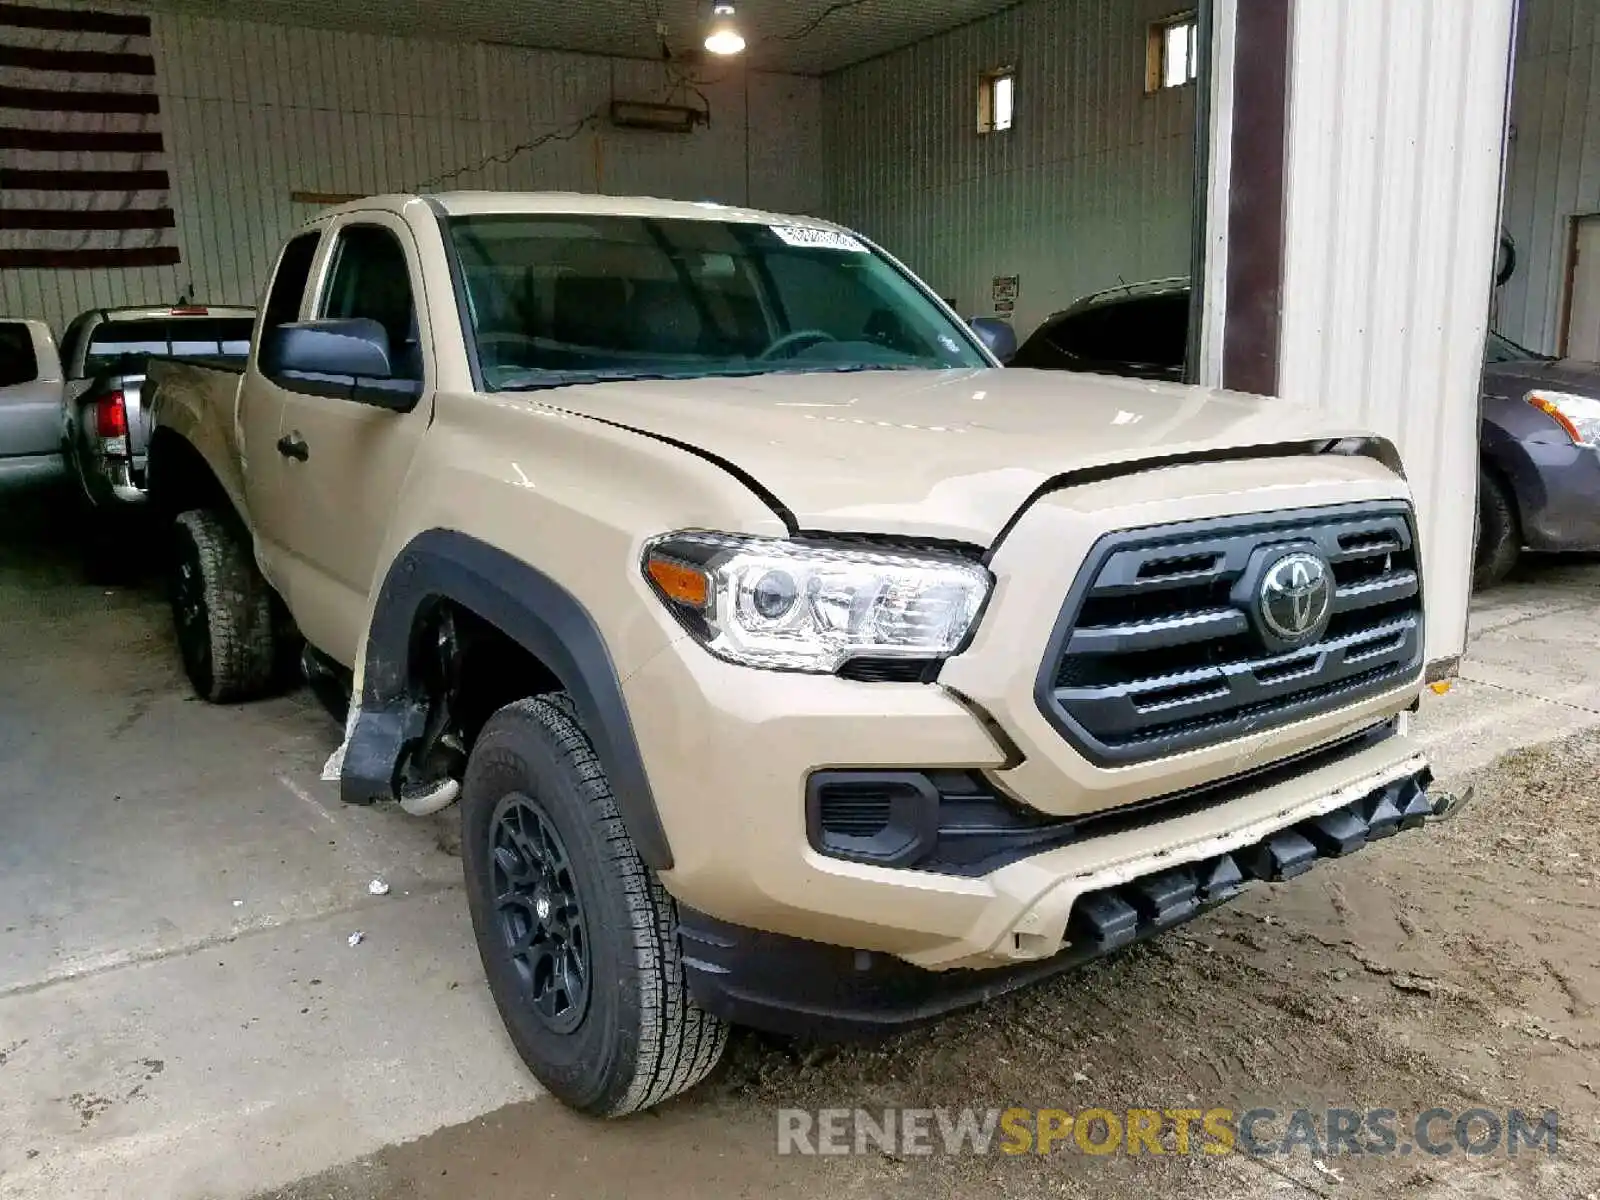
578,937
221,610
1499,541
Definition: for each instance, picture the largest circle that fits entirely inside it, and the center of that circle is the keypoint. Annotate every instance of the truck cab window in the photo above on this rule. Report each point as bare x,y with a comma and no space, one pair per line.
17,361
371,279
289,284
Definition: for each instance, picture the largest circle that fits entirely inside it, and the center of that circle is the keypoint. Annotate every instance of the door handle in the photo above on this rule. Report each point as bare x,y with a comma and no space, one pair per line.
292,445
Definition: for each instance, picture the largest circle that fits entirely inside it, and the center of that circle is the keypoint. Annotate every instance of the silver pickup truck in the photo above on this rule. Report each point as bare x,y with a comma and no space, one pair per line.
104,354
80,413
30,404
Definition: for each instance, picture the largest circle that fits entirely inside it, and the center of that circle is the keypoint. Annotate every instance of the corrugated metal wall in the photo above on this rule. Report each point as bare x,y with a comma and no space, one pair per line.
254,112
1092,186
1554,161
1396,123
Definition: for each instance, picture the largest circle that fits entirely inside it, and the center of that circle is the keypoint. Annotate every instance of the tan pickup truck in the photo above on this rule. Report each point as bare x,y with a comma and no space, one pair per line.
793,664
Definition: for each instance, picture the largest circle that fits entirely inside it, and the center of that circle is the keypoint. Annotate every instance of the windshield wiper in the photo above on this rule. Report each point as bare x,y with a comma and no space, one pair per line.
559,379
848,368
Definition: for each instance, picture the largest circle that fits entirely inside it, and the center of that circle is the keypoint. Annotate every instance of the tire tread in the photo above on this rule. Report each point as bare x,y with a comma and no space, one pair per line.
1499,541
239,615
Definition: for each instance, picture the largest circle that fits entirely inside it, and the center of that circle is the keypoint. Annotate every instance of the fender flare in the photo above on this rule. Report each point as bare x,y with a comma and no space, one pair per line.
538,614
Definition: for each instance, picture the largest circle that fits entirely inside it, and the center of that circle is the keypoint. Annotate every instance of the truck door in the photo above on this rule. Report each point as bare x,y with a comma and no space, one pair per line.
258,409
350,459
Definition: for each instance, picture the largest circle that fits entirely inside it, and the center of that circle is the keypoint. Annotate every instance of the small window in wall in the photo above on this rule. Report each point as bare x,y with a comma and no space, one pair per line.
1173,56
997,99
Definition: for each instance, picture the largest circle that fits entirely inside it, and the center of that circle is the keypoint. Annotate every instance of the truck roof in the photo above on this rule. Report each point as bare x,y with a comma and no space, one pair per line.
473,204
148,312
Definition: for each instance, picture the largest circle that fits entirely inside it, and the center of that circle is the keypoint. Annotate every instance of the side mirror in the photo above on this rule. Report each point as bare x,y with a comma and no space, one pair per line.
346,359
997,335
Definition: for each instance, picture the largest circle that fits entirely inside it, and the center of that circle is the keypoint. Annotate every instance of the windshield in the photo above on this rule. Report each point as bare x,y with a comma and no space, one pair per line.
1502,349
573,298
122,346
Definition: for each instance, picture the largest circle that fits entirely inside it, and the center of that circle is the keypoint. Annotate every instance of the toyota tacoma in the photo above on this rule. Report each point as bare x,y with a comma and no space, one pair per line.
792,664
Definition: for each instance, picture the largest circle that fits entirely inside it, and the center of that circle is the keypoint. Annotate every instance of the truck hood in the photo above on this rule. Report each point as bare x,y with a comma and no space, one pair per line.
1561,374
947,454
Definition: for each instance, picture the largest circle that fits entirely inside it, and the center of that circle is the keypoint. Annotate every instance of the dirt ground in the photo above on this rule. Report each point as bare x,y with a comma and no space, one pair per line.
1454,969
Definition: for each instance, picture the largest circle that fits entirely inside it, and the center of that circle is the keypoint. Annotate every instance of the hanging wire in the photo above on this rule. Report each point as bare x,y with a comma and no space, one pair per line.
511,153
816,22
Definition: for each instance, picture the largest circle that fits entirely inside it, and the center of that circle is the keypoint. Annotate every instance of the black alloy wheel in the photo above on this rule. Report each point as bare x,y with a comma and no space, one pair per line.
540,912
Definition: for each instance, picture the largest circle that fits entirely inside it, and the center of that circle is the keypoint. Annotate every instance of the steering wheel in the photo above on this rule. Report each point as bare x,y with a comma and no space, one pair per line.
799,337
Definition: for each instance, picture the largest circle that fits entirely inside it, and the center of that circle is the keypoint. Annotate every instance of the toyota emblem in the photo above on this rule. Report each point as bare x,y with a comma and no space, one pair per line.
1296,594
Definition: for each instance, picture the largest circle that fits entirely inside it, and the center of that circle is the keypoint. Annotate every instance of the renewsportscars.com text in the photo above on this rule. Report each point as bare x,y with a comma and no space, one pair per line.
1320,1133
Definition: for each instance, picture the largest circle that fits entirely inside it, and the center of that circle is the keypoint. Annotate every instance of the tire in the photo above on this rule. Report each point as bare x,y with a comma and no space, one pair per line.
628,1036
1499,541
221,610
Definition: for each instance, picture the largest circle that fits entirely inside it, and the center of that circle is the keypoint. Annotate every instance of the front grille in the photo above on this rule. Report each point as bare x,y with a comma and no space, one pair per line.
1160,646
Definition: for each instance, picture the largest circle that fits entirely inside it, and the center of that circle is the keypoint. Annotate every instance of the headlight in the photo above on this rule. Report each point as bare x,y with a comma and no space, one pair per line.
1578,416
797,607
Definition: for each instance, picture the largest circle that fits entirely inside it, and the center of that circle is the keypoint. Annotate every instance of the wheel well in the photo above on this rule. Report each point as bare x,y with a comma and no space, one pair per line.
525,634
490,669
180,479
1502,477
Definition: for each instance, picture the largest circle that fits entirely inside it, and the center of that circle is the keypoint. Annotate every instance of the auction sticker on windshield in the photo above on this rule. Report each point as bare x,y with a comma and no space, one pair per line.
818,239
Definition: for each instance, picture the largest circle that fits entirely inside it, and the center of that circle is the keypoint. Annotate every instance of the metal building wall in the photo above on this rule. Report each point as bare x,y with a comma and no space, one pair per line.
1093,185
1396,124
1553,162
253,112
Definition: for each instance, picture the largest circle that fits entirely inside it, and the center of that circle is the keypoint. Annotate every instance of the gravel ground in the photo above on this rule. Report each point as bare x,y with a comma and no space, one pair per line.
1454,968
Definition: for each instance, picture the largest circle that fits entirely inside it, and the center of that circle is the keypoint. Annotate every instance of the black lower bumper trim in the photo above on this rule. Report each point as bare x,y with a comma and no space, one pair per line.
808,989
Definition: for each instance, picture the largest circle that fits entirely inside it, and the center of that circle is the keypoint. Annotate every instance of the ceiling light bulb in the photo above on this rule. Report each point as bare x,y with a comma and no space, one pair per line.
725,39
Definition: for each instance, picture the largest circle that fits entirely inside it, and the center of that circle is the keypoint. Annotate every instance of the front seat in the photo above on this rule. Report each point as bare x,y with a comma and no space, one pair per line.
665,320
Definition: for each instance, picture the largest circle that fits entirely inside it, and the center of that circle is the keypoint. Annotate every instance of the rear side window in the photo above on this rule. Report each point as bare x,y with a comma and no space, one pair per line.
371,279
18,364
289,283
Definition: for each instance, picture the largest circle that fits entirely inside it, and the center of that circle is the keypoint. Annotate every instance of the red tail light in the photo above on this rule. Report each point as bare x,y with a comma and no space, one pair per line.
192,310
111,416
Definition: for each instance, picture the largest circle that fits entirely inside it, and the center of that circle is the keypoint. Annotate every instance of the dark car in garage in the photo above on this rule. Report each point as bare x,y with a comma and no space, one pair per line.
1539,426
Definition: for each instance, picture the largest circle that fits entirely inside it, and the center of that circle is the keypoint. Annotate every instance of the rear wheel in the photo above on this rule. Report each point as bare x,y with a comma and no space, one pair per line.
1499,541
221,609
578,938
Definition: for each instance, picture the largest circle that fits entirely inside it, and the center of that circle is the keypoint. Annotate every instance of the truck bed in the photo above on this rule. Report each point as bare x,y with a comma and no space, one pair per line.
196,398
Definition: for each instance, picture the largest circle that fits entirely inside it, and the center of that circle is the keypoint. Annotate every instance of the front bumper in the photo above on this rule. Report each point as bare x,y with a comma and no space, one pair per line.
729,767
807,989
1558,495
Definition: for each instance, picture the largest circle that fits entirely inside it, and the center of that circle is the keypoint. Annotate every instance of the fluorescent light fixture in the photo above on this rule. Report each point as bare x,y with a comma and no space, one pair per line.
724,37
662,118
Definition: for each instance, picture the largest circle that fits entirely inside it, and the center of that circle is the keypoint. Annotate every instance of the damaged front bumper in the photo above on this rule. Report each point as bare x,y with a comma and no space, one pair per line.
801,988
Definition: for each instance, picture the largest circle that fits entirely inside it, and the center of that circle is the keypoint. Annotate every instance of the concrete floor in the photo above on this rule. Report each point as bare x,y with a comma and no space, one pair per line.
178,1002
181,1014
